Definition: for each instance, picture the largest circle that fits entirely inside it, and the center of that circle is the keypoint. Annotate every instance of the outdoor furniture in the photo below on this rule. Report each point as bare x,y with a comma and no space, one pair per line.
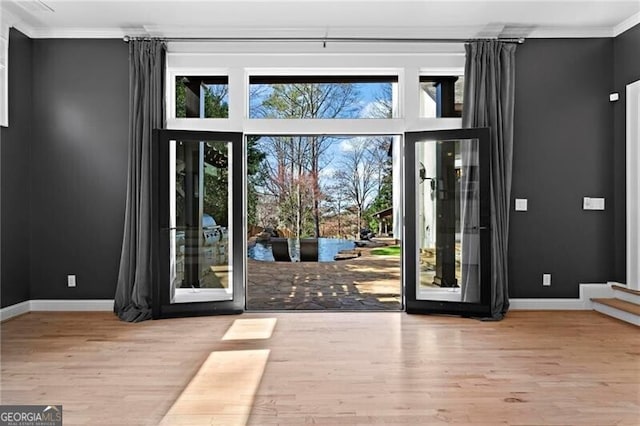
280,249
308,249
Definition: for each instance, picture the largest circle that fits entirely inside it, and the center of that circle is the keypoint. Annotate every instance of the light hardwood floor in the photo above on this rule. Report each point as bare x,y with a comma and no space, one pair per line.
533,368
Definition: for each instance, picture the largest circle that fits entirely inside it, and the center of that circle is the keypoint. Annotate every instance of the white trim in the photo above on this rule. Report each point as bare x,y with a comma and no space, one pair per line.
11,20
633,184
567,32
628,23
238,68
90,33
547,304
15,310
116,32
4,76
188,295
617,313
583,303
6,21
627,297
72,305
80,305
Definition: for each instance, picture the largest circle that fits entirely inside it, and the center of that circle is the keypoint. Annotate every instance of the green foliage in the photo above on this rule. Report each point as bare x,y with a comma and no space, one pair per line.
384,197
216,200
386,251
181,103
383,201
216,182
256,177
214,104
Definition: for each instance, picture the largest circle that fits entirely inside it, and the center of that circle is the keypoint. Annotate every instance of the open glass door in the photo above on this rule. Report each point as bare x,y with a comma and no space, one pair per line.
199,208
447,238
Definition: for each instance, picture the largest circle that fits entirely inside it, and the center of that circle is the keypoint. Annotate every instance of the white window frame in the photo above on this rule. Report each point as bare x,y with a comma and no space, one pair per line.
238,67
4,72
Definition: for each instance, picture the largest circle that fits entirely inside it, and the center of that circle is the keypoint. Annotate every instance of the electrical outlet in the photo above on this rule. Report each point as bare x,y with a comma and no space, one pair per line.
71,280
546,279
521,204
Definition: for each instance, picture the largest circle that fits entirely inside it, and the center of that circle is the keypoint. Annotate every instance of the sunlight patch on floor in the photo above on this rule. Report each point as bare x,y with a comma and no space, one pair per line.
223,390
250,328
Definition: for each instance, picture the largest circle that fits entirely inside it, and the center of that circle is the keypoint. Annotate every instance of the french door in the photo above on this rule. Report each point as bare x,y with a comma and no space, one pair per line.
199,217
200,214
447,251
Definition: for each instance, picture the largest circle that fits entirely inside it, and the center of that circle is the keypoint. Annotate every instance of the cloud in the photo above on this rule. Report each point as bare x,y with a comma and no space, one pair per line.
374,109
327,172
346,145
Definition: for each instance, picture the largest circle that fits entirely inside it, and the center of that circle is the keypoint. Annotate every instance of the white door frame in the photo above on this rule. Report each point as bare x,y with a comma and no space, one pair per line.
633,185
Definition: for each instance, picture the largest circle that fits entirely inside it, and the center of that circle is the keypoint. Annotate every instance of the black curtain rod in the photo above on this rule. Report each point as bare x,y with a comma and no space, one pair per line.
323,40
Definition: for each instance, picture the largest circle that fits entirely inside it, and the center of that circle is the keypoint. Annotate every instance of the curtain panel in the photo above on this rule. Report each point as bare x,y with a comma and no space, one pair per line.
136,274
489,96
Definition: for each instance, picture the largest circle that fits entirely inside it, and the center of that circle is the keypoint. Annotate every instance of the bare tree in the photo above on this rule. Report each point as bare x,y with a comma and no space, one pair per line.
304,158
357,175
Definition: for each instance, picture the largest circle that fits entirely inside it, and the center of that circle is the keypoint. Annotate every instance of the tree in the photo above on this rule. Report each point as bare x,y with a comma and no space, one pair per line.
382,108
215,104
335,203
255,177
357,176
303,161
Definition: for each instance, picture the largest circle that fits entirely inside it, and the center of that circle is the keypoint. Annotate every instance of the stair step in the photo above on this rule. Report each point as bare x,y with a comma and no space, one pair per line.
622,305
617,308
625,289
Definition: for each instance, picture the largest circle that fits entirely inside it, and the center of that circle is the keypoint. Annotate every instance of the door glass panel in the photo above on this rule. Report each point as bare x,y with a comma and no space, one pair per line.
448,220
200,219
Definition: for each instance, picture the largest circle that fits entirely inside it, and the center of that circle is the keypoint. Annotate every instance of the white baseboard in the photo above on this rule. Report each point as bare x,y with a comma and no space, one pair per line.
72,305
583,303
587,291
15,310
55,305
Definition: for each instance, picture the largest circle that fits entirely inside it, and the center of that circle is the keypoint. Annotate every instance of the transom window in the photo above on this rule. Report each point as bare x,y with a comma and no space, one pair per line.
322,97
441,96
202,97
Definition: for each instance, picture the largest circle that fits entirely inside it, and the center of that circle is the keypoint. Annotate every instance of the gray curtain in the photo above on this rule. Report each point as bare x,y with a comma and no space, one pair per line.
135,277
489,102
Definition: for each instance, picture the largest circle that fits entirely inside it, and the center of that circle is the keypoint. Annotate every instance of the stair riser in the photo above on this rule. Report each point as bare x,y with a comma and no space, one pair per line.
616,313
622,295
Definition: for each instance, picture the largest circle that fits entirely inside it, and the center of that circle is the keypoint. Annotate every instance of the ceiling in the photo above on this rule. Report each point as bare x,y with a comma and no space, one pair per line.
319,18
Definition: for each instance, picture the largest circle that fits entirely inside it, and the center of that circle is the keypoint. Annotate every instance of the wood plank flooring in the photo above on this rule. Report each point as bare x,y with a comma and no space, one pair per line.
533,368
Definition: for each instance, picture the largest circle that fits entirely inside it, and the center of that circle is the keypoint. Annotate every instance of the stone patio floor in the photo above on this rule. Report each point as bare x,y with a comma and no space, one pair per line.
364,283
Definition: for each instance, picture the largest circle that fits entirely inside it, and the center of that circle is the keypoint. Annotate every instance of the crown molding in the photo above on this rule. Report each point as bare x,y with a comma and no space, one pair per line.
406,32
628,23
571,32
9,19
79,32
110,33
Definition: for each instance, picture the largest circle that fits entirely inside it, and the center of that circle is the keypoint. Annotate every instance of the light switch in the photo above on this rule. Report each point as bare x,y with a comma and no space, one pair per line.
589,203
521,204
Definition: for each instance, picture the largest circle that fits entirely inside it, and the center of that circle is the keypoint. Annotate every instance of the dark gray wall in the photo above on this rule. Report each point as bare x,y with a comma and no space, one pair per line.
75,132
15,169
79,164
626,63
562,153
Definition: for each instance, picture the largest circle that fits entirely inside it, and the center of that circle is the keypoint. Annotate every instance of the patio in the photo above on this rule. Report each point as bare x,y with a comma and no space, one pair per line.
367,282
